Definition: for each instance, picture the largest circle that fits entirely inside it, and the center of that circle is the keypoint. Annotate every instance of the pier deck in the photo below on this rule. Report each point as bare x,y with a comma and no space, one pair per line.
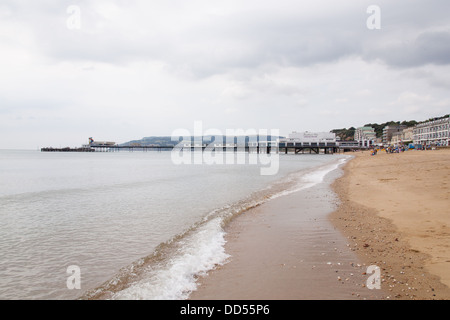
282,148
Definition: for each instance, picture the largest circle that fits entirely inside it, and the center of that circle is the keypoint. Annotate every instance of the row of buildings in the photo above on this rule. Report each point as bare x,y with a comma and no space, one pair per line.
434,132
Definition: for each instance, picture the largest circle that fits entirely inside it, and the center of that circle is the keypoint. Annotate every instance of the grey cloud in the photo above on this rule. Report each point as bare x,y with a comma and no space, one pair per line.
430,47
248,39
433,47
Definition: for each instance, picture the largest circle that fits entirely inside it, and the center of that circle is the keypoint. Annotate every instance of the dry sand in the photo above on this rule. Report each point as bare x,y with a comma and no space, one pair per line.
395,211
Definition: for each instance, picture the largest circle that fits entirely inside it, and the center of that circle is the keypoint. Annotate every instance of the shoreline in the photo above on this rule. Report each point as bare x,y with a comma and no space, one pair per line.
288,249
393,211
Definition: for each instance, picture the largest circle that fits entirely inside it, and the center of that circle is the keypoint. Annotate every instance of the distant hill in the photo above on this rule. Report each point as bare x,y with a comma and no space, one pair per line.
151,141
345,134
167,140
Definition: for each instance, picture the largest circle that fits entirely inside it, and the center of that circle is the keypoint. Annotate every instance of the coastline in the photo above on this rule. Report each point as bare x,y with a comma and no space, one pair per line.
288,249
394,211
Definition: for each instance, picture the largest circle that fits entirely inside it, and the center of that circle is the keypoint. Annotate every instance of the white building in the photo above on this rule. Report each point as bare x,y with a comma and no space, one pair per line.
434,132
349,144
365,136
311,138
96,143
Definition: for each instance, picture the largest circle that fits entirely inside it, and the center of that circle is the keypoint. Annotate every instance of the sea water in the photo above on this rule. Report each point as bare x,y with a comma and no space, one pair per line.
134,224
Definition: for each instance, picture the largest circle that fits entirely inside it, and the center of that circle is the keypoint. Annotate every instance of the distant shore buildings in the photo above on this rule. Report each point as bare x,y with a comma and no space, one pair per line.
433,132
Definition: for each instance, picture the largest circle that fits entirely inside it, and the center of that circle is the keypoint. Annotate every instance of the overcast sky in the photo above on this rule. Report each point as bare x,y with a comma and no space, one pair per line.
123,70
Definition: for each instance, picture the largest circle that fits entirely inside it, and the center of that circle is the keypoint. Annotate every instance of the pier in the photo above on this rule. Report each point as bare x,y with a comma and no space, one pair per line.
187,147
67,149
281,148
310,148
298,143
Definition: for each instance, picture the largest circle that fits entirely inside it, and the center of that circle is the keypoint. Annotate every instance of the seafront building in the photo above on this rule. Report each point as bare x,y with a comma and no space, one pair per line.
402,137
346,145
101,144
388,131
365,136
433,132
301,142
314,139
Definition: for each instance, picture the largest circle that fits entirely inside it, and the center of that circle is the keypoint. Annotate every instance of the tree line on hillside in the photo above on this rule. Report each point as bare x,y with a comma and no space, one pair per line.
349,134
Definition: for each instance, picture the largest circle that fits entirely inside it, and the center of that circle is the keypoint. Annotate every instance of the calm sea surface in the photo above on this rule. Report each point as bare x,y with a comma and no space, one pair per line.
135,224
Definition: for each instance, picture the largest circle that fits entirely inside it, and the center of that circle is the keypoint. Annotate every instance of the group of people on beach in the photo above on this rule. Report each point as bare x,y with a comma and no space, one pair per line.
400,148
390,149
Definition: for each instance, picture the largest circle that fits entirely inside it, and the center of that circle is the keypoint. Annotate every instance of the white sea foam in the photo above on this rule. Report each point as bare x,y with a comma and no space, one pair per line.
200,252
310,179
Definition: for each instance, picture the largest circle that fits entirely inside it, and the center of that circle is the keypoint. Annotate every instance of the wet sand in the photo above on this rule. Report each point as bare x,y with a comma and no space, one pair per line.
287,249
395,212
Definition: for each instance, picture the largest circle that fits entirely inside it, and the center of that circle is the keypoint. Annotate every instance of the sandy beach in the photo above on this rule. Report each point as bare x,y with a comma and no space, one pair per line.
395,211
390,210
